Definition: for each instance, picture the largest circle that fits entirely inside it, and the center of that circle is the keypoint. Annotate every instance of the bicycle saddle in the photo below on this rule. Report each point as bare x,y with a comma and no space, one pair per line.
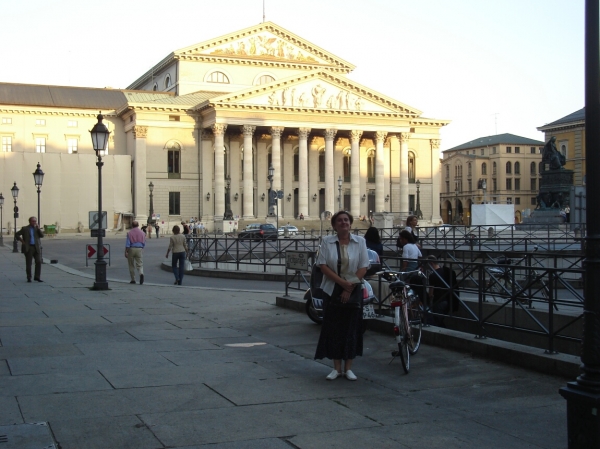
397,285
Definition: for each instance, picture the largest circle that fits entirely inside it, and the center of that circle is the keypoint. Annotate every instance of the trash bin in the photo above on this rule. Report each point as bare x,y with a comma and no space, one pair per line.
50,229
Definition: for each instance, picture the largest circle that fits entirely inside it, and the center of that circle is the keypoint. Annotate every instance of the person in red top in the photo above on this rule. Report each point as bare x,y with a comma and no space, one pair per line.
134,247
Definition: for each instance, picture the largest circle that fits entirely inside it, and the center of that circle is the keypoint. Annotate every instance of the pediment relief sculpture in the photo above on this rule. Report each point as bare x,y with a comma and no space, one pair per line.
265,46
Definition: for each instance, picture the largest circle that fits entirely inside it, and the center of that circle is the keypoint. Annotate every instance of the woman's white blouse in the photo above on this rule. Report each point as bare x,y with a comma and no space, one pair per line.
357,257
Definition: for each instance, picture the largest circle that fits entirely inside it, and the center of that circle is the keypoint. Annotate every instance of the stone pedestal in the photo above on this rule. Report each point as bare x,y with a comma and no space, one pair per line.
382,220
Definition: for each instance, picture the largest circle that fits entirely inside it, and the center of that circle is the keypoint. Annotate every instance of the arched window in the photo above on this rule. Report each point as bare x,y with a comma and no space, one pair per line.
265,79
167,81
322,165
155,87
218,77
484,169
532,168
411,167
347,164
508,168
447,171
371,166
469,169
540,168
517,168
494,168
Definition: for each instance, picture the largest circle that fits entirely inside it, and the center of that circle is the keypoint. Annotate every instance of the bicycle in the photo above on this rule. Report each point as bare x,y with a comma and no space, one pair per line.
408,314
501,282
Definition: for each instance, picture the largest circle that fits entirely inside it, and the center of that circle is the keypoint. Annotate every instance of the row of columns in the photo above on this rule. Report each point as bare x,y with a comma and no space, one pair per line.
219,130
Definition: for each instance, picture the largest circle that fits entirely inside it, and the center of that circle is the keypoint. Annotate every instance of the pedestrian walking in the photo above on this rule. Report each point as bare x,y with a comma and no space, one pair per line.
134,247
30,236
177,244
157,229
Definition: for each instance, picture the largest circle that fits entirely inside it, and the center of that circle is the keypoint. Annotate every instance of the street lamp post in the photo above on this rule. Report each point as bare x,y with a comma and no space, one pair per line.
418,212
340,182
38,179
273,198
151,187
100,135
1,219
228,212
15,194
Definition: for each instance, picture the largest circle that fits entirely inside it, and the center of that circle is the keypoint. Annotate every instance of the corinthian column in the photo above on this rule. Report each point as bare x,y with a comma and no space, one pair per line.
219,133
140,133
436,181
329,180
276,132
404,174
355,172
303,171
248,184
379,171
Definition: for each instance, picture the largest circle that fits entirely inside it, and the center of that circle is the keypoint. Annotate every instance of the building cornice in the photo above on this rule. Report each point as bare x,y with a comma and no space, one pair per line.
562,126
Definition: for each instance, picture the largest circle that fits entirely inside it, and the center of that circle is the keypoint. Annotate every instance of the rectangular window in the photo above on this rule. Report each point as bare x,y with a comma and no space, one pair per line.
533,201
6,144
72,145
517,201
494,185
174,204
6,120
40,144
493,150
470,185
173,164
40,122
509,184
72,123
517,184
517,150
533,184
482,152
447,186
509,200
509,149
532,150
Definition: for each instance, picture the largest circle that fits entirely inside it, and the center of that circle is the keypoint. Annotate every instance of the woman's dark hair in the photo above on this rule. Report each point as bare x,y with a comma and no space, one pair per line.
409,219
176,230
407,235
337,214
372,235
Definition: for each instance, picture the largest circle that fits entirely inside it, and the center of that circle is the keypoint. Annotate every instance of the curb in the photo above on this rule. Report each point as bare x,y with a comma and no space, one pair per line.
535,359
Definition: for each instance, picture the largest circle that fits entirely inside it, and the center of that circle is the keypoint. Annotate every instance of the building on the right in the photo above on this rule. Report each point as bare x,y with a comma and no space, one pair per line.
498,169
570,141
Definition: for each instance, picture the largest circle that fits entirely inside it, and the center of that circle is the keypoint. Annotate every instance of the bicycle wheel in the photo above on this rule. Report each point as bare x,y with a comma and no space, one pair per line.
415,320
401,340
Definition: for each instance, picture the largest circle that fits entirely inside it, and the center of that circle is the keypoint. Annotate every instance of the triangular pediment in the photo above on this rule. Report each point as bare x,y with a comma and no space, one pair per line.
266,42
317,90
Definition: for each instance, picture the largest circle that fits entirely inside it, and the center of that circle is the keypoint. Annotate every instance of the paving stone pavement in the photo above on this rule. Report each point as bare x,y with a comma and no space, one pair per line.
151,366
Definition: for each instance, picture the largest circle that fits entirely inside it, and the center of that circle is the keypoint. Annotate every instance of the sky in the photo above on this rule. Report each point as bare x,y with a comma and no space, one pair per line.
488,66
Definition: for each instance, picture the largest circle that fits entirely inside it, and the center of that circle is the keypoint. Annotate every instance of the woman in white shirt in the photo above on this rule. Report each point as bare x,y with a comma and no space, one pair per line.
341,332
410,252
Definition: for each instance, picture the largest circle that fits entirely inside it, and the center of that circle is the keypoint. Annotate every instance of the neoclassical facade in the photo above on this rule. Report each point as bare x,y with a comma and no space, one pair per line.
211,118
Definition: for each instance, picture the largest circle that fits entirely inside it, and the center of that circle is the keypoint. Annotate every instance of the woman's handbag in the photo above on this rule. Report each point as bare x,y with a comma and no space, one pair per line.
356,296
187,265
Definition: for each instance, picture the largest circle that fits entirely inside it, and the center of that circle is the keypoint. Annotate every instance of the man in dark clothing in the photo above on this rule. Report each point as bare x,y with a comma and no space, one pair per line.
442,284
30,236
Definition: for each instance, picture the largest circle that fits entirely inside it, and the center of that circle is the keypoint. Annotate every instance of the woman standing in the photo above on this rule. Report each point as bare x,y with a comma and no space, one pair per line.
178,245
341,332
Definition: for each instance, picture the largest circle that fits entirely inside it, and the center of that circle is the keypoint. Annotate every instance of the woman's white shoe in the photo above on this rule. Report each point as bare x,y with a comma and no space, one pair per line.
333,375
350,375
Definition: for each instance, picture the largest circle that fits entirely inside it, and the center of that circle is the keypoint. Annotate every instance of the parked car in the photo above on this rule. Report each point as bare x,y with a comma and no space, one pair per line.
259,231
292,230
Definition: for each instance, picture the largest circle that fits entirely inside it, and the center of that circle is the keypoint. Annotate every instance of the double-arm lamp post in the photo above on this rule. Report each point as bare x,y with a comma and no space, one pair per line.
15,194
150,219
100,135
418,212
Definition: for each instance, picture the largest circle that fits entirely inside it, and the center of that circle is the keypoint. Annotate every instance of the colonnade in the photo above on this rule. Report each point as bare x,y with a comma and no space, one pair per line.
329,135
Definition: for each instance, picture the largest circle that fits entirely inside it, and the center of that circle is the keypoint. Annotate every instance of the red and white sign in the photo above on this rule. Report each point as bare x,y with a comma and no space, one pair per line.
91,250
